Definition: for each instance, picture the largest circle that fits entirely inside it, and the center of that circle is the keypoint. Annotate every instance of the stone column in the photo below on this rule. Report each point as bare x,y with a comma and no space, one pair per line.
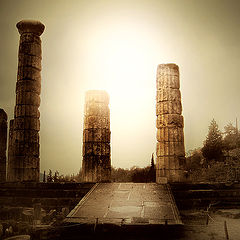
24,157
3,144
10,150
96,163
170,150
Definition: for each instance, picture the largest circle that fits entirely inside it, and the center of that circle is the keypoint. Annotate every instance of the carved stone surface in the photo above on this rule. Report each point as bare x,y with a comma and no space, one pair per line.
96,152
170,149
3,144
10,150
23,154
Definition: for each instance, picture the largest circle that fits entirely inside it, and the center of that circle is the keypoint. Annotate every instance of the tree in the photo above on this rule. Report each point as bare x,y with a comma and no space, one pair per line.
194,161
120,175
56,177
152,171
140,174
232,137
44,176
213,145
49,176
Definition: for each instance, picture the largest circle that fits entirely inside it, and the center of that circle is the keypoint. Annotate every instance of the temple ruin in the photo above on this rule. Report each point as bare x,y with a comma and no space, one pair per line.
3,144
170,150
96,164
23,142
23,162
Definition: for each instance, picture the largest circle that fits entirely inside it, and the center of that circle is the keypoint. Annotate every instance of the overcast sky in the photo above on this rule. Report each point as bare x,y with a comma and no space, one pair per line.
116,46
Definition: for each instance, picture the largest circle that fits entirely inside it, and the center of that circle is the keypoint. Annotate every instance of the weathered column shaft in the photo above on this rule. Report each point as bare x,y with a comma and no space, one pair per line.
170,138
3,144
96,163
24,157
10,150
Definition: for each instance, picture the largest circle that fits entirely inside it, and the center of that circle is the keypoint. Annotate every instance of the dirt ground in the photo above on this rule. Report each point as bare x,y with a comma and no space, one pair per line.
196,227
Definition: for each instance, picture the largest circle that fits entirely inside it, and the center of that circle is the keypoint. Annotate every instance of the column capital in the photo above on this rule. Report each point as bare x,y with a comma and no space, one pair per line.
168,65
30,26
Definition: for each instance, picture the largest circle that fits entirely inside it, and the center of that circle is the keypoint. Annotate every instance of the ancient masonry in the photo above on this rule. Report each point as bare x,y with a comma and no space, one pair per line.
24,130
96,163
170,150
3,144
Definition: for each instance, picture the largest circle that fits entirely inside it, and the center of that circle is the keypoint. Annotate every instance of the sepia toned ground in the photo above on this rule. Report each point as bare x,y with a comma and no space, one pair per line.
54,225
195,227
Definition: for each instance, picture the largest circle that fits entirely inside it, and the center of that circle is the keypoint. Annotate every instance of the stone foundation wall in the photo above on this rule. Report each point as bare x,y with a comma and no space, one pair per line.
50,195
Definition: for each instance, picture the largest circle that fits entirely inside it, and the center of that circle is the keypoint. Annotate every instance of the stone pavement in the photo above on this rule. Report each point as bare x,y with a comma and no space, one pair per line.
127,204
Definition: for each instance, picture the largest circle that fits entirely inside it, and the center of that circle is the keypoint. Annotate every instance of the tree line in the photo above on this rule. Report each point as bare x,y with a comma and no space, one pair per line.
134,174
219,158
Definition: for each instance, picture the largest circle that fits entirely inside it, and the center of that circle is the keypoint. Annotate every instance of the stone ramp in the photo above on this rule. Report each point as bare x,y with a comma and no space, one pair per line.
126,204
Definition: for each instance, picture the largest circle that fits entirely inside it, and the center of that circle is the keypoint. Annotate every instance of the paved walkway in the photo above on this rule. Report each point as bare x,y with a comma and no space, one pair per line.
128,204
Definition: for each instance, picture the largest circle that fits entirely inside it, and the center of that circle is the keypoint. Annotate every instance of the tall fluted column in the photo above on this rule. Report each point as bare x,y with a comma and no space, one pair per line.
3,144
96,163
170,138
24,158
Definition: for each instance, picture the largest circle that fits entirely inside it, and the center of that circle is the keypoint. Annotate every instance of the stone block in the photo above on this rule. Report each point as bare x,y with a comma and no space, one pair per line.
96,121
30,49
29,61
168,94
162,180
24,174
169,120
26,111
97,149
97,109
28,98
170,134
89,148
96,135
26,149
106,150
168,69
170,148
160,172
167,81
28,73
26,162
169,107
30,38
28,86
27,123
30,136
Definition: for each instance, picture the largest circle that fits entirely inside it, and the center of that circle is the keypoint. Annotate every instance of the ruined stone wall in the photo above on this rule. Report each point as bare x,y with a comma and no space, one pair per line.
170,150
24,150
96,163
3,144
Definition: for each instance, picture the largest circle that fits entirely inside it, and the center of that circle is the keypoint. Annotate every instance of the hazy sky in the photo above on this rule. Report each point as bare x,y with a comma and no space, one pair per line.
116,46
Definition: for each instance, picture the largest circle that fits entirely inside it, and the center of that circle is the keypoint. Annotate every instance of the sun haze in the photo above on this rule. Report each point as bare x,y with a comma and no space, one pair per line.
116,46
